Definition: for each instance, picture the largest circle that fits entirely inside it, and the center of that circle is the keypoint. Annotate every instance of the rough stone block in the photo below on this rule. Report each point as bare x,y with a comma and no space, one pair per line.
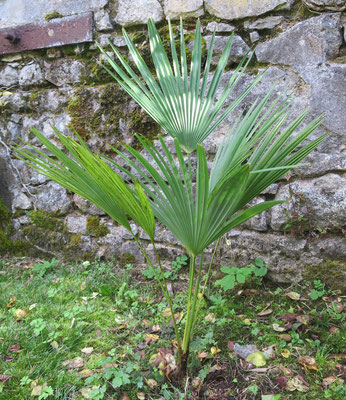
182,8
63,72
9,77
31,75
138,12
244,8
76,224
310,42
322,201
264,23
52,198
238,50
325,5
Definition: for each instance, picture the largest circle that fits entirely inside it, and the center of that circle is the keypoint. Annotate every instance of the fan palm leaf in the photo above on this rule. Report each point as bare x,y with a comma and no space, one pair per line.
185,105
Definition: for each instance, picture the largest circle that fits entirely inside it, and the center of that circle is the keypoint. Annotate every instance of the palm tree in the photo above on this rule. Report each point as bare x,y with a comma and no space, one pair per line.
259,148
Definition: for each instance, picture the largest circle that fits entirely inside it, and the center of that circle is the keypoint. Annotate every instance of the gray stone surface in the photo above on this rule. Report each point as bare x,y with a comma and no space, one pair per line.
182,8
102,20
254,36
31,75
132,13
9,76
323,202
264,23
258,222
219,27
77,224
86,206
52,198
21,201
244,8
13,12
63,72
307,43
238,50
325,5
328,88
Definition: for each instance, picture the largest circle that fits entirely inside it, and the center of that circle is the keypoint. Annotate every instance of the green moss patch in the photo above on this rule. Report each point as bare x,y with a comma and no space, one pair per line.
95,227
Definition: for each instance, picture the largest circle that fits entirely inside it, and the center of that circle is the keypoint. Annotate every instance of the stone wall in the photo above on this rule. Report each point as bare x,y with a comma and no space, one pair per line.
301,42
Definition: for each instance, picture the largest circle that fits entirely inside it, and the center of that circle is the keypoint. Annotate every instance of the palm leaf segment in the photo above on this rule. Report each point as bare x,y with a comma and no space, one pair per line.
91,178
252,156
182,103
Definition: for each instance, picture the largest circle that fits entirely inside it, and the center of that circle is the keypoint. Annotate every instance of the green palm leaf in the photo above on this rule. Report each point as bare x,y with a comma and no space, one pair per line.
183,104
90,177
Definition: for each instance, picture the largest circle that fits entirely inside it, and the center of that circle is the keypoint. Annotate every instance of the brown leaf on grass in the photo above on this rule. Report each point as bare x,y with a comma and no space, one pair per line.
334,330
147,323
265,312
37,390
151,337
156,328
5,378
9,358
99,333
281,381
286,337
151,383
285,370
12,300
202,355
303,318
15,348
75,363
331,379
289,317
125,396
230,345
308,363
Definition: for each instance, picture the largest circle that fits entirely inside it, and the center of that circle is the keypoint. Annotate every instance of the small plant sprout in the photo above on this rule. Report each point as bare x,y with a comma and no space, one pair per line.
197,202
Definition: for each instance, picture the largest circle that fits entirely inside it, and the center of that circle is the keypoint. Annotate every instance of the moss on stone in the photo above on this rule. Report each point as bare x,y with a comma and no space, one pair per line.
95,227
330,272
8,246
127,258
46,220
53,15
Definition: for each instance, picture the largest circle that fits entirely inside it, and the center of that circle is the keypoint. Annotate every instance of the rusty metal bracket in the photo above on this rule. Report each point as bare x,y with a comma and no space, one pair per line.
58,32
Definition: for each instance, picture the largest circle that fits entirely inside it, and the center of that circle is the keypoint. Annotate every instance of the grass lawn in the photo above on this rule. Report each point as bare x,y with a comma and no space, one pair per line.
95,330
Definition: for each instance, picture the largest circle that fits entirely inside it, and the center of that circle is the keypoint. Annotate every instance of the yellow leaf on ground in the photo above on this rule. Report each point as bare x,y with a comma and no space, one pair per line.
20,314
257,359
140,396
285,353
214,350
151,383
296,384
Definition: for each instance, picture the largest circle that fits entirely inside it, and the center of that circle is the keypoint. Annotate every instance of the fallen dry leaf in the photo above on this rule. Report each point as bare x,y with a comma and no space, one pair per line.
15,348
54,344
293,295
296,384
265,312
151,383
308,363
286,337
156,328
196,382
37,390
87,350
20,314
230,345
202,355
214,350
85,373
281,381
12,300
279,328
285,353
210,318
331,379
32,306
257,359
5,378
140,396
75,363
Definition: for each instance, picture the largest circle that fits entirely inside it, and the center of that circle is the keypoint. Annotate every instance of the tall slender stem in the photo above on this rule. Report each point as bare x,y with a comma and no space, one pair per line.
191,275
190,321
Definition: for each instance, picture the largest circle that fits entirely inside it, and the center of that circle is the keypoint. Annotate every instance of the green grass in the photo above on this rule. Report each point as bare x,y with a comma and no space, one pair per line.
121,315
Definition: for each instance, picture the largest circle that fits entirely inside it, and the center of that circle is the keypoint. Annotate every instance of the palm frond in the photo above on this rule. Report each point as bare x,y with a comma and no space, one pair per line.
185,105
